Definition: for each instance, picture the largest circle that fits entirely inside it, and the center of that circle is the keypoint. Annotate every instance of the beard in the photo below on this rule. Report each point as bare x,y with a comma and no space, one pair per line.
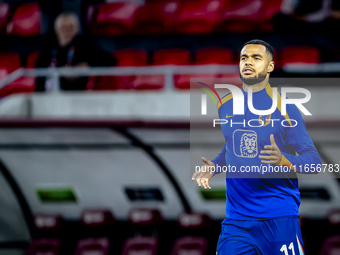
254,80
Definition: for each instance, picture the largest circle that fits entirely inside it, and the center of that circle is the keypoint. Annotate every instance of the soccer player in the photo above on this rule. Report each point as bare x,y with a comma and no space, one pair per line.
262,207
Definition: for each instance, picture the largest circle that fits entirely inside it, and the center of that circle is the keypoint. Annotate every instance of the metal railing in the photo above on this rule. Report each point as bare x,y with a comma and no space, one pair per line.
168,71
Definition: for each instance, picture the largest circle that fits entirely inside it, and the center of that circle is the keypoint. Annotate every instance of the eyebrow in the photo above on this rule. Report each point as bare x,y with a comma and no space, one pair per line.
253,55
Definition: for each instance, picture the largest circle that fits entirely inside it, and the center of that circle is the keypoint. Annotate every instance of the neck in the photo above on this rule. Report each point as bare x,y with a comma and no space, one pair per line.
256,87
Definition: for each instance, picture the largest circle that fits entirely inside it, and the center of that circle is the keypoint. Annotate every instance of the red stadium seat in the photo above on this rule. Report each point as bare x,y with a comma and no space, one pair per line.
148,82
114,18
44,246
300,54
171,57
97,217
131,57
4,13
140,246
32,59
206,56
157,17
190,245
182,81
331,246
268,11
220,56
10,62
127,57
178,57
198,16
231,78
99,246
240,16
26,20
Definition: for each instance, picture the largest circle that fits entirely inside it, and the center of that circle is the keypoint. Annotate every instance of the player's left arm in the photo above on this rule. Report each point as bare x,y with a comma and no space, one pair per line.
298,138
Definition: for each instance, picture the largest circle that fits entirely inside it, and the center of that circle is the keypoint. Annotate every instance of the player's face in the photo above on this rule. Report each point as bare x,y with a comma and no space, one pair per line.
255,64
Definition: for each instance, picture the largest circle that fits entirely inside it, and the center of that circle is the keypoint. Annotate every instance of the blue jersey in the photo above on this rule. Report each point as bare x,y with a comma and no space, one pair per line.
254,190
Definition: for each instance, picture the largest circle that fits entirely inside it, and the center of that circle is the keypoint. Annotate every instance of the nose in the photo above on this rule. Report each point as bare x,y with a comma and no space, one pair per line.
248,62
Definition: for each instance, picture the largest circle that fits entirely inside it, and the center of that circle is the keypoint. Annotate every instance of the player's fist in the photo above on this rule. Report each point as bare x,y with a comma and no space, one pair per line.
273,153
205,173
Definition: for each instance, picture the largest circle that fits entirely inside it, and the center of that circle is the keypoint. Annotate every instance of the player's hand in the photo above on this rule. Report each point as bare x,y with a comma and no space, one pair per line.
273,153
205,173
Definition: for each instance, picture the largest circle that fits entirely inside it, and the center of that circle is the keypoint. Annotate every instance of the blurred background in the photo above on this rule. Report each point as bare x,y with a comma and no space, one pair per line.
96,151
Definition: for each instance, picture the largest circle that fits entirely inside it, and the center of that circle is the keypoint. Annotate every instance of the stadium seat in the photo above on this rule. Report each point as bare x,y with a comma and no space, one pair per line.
219,56
145,221
114,18
47,221
171,57
208,56
196,224
178,57
148,82
131,57
190,245
44,247
48,225
300,55
331,246
4,13
97,223
10,62
198,16
157,17
125,58
32,59
268,11
230,78
97,217
140,246
182,81
194,220
333,217
99,246
26,20
240,16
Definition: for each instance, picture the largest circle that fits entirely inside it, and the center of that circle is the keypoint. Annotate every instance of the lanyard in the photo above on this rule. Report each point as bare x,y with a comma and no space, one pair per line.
70,56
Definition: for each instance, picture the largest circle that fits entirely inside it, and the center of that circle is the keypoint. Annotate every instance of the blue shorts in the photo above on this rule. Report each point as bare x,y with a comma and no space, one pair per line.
279,236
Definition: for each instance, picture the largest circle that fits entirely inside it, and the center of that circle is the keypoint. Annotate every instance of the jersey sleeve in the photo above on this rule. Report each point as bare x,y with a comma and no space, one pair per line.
298,139
220,161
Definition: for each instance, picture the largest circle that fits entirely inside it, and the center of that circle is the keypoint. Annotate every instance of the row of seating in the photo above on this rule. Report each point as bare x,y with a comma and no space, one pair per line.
147,244
25,21
137,244
186,16
155,17
10,61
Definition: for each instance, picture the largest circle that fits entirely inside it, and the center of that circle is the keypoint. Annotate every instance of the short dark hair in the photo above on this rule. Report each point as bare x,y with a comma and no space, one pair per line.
269,48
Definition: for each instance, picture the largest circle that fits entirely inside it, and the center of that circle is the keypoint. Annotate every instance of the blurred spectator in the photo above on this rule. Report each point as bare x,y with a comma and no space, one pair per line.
66,48
302,15
333,20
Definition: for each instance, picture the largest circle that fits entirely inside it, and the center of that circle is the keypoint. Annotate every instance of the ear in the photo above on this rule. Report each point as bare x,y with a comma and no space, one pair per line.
271,66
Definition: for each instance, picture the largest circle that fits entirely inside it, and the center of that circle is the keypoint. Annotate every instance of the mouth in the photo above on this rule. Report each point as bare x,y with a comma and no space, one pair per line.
248,70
